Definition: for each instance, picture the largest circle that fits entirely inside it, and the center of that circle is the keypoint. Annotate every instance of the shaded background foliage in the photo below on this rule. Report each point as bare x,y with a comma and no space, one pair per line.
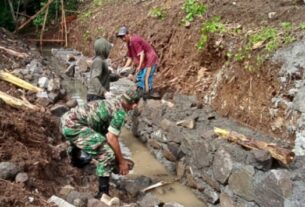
25,8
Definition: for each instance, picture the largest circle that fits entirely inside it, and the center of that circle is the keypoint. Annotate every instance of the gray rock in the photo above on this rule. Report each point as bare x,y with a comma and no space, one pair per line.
64,191
226,200
78,199
240,182
82,64
201,156
43,82
180,169
173,205
187,123
260,159
134,186
273,188
21,177
59,202
59,109
222,165
54,96
149,200
8,170
184,102
54,84
71,103
34,67
95,203
297,199
166,124
211,195
43,101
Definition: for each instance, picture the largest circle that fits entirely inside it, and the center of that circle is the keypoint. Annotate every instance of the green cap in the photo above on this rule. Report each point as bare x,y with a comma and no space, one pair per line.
132,96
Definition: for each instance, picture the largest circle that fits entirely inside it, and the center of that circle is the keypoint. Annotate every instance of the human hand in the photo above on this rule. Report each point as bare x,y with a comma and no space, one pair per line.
108,95
124,168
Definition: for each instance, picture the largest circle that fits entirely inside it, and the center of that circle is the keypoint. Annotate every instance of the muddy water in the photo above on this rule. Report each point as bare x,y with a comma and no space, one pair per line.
146,164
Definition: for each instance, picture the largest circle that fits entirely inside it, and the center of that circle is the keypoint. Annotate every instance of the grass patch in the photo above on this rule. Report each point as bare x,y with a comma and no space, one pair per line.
211,26
157,12
192,9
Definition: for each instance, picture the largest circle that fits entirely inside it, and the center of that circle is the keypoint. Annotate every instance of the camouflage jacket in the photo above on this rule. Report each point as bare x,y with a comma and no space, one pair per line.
101,116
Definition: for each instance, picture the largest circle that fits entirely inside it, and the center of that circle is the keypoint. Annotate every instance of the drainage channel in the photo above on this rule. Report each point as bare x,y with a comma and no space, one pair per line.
145,163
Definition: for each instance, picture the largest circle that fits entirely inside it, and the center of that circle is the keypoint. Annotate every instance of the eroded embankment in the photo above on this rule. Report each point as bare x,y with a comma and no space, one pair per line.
220,173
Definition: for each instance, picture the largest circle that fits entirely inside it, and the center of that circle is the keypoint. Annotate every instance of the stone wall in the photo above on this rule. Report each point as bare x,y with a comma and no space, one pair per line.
179,132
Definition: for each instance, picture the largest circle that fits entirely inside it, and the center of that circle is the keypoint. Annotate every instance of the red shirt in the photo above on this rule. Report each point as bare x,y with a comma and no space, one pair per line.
137,45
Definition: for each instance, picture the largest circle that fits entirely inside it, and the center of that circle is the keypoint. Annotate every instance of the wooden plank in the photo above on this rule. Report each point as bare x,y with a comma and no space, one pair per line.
285,156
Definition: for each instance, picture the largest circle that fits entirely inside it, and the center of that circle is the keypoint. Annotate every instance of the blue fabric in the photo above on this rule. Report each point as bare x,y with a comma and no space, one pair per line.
141,78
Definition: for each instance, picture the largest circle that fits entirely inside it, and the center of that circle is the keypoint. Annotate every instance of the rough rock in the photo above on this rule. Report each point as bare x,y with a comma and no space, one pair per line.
59,202
200,154
173,205
54,84
273,189
241,183
78,199
187,123
8,170
260,159
222,165
149,200
95,203
54,96
180,169
134,186
226,200
166,124
59,109
43,101
64,191
71,103
21,177
43,82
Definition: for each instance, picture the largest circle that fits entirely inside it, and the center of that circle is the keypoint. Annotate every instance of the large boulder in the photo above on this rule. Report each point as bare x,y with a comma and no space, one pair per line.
8,170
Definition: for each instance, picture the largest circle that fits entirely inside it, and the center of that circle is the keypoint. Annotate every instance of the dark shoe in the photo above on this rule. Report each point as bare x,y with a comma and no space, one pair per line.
79,158
103,187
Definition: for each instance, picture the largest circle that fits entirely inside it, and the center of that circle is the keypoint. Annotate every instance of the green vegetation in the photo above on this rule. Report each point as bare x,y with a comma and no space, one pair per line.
29,8
193,8
211,26
302,25
157,12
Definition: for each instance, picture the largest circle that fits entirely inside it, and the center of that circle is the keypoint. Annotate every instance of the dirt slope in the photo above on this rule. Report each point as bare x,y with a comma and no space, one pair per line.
242,95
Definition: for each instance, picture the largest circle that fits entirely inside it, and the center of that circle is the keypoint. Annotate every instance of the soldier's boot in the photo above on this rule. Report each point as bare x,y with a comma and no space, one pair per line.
103,187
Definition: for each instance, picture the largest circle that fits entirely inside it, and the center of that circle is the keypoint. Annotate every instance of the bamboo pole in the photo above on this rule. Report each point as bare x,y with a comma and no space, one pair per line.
15,102
35,15
43,26
19,82
285,156
12,10
64,21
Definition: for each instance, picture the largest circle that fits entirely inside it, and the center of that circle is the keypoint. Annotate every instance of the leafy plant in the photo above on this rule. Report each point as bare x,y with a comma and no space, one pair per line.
212,26
193,8
157,12
286,25
302,25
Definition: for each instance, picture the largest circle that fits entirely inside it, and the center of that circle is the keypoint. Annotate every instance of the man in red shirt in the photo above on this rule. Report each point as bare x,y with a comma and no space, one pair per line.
143,56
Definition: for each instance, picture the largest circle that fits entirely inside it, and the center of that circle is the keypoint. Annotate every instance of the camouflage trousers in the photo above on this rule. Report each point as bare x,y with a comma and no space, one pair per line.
94,144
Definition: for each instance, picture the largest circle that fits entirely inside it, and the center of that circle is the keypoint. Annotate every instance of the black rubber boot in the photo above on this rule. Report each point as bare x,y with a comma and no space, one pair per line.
103,187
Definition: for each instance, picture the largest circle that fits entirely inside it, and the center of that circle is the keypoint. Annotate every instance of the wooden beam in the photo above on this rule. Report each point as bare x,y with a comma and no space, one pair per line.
64,21
13,52
46,40
35,15
285,156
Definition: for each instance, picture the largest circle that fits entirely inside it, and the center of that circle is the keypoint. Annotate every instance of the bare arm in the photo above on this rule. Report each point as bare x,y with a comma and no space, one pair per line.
113,141
142,55
128,62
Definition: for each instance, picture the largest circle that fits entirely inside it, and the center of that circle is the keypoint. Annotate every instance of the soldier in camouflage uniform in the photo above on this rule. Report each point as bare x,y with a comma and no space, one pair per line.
94,129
